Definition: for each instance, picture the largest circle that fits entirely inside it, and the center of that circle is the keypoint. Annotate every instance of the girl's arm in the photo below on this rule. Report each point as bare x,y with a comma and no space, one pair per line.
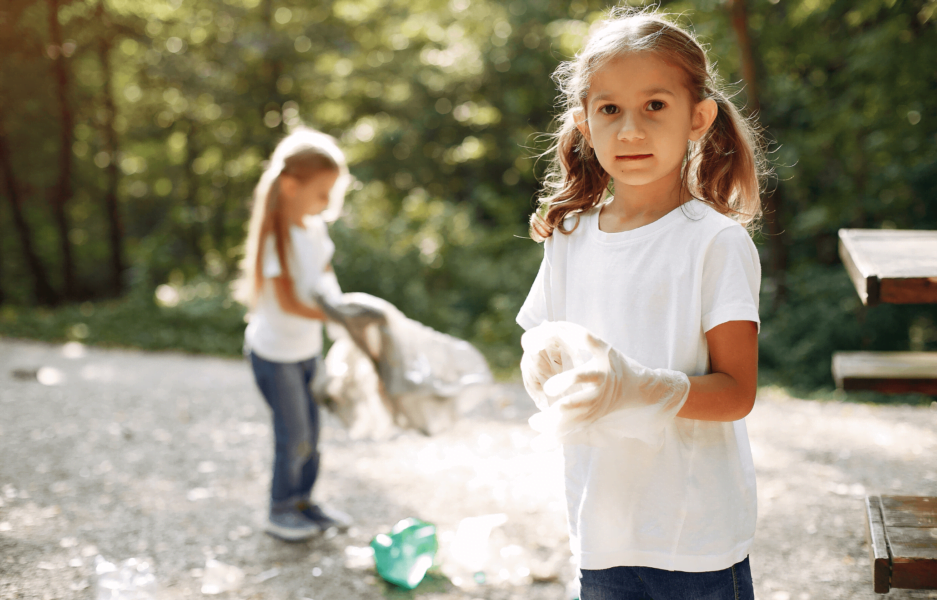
728,392
286,296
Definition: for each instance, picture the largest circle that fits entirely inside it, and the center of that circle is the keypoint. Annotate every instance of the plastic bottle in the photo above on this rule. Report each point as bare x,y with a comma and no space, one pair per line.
403,556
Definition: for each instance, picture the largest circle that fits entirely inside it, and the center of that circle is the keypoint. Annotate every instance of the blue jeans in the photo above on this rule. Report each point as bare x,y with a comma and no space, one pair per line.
645,583
285,387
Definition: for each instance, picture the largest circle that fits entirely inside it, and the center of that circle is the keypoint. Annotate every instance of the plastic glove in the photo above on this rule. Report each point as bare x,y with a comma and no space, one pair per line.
344,309
590,393
356,316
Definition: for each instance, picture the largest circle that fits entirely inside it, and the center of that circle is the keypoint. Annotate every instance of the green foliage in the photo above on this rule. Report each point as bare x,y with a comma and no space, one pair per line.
211,324
437,104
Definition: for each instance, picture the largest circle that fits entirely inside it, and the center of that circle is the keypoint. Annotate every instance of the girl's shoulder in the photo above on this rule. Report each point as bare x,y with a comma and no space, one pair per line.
709,221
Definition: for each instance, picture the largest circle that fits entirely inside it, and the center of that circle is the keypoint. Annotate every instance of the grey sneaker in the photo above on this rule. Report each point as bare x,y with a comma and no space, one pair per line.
290,525
326,518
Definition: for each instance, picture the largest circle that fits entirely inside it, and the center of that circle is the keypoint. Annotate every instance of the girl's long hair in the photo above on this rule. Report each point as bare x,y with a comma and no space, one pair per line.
724,169
302,154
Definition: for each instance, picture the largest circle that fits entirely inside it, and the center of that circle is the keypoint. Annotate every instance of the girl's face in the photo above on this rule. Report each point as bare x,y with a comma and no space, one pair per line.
303,197
638,118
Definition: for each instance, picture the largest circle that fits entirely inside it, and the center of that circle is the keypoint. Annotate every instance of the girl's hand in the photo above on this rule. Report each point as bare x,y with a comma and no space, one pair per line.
546,355
582,386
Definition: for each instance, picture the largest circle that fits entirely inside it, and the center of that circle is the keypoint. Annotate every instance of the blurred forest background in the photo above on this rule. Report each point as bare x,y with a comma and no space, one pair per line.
133,131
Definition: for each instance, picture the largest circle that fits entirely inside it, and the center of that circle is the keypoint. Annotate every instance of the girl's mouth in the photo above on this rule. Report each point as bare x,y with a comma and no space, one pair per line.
630,157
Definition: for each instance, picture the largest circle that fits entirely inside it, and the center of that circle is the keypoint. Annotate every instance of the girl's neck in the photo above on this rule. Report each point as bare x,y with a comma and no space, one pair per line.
632,207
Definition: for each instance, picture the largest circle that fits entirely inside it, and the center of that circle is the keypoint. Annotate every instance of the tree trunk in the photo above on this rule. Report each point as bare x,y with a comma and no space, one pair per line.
63,189
773,199
111,144
42,291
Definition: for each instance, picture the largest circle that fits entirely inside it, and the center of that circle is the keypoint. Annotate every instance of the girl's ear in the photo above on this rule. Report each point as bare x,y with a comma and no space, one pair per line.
704,114
288,186
579,116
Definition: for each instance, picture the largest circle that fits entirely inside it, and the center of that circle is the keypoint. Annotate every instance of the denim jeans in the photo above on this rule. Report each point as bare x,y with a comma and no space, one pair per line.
645,583
285,387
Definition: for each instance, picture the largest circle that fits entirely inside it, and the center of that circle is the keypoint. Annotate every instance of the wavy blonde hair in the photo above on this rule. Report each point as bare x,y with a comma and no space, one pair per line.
725,168
302,154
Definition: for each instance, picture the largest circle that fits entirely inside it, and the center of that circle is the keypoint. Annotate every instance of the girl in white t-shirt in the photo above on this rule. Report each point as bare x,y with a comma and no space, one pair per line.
647,262
287,263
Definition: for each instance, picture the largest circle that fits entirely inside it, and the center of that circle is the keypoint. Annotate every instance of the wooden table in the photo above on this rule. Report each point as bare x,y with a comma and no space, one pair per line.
895,267
890,265
902,536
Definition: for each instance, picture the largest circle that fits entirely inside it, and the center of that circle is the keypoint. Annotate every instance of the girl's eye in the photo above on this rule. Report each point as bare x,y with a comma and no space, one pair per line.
609,109
655,105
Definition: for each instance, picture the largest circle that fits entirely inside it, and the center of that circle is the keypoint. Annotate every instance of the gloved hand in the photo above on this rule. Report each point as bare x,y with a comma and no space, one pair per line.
352,315
590,393
343,308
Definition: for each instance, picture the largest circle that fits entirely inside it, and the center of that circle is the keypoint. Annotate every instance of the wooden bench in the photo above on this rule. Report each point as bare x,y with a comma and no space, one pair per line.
887,372
902,536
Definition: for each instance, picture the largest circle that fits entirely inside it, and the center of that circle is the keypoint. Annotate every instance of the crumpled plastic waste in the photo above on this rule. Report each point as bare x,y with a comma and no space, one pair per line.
590,393
219,577
474,556
403,556
133,579
387,370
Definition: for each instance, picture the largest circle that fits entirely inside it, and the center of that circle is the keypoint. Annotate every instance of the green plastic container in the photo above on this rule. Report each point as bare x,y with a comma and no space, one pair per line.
403,556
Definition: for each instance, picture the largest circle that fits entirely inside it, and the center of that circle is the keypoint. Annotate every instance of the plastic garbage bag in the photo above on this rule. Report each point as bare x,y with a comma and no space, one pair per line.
416,373
403,556
133,579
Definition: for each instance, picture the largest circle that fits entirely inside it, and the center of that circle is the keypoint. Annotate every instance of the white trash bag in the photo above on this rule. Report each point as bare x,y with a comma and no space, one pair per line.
386,370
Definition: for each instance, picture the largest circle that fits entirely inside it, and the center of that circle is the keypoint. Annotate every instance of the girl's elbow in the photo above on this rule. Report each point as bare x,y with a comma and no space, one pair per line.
745,403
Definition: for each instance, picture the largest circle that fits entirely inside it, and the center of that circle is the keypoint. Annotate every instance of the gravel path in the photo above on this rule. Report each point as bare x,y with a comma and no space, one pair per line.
166,457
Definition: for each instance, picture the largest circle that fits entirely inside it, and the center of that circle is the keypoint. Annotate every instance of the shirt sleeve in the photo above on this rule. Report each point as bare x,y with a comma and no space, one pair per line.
313,249
271,262
535,309
731,279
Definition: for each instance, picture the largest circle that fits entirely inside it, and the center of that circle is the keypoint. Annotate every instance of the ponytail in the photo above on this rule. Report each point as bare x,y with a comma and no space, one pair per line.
575,177
723,171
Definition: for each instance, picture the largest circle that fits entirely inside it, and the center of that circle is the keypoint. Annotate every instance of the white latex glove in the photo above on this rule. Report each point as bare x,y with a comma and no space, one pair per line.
590,393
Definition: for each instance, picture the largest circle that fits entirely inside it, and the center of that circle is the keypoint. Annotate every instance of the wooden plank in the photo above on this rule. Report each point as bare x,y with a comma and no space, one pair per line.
878,549
893,266
908,291
888,372
928,387
909,511
910,525
859,272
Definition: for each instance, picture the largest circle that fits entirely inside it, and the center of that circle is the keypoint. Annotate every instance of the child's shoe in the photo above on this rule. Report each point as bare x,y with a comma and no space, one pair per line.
291,525
326,518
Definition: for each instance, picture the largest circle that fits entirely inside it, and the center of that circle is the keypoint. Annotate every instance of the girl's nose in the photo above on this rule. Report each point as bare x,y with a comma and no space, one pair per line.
630,128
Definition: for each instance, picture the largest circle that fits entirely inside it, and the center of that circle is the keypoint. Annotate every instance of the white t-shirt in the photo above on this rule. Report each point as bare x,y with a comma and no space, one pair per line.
276,335
653,293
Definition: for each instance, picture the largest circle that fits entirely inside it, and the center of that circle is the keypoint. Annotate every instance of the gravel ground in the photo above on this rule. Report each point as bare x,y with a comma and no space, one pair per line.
166,457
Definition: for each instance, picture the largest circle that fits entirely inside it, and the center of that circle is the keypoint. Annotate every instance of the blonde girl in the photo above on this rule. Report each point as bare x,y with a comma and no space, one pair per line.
287,263
655,176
